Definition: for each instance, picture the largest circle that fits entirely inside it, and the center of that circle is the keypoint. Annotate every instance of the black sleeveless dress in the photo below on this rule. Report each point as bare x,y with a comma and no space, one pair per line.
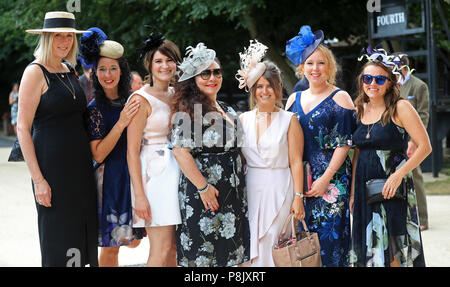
67,229
387,231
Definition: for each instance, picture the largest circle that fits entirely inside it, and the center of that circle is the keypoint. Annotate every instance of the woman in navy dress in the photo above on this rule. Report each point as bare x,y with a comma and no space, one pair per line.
108,117
326,116
385,233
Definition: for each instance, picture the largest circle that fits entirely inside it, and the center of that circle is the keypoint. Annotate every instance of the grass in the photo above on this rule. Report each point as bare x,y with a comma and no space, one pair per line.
440,187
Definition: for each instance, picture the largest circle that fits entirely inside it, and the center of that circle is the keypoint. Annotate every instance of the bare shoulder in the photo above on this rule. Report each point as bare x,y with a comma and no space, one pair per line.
343,99
404,112
290,101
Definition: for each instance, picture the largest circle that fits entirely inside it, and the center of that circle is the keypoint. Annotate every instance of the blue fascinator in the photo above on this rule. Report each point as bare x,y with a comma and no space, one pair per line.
94,45
299,48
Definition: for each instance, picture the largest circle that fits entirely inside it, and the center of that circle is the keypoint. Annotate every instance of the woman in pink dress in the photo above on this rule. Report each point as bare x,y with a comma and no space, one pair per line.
273,148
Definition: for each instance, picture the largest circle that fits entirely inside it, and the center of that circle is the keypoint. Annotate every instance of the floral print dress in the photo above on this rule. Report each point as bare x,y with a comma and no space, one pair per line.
207,238
325,128
388,231
113,179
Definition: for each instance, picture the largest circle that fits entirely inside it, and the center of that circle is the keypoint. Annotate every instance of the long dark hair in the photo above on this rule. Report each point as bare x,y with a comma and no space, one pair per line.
391,97
187,94
124,89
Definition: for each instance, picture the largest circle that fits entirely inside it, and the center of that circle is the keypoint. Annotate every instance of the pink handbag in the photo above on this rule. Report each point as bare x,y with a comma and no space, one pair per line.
298,249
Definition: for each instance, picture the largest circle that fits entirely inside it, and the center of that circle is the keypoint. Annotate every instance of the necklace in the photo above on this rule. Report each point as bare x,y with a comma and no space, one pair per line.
369,129
72,91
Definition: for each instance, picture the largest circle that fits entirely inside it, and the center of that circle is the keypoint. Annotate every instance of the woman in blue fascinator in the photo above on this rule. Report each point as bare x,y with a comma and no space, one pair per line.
325,113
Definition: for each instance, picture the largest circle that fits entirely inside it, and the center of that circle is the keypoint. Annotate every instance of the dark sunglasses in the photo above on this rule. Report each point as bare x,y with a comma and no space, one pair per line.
206,74
380,79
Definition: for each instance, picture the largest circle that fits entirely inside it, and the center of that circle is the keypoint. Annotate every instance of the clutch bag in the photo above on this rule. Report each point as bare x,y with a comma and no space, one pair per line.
16,152
307,177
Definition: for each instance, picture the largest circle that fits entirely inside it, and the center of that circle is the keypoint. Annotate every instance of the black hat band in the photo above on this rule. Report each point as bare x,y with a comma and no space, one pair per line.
59,23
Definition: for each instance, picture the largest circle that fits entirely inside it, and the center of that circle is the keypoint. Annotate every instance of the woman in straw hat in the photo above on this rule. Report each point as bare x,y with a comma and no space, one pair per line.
273,149
58,154
325,113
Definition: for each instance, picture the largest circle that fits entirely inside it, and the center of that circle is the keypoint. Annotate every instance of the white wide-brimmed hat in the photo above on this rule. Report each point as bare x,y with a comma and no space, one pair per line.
57,21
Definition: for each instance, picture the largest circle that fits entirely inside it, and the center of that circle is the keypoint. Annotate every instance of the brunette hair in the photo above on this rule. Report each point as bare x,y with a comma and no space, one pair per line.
391,97
272,75
168,49
330,62
123,86
187,94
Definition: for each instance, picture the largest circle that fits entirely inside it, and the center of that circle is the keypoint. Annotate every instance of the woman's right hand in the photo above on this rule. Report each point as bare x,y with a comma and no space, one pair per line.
128,112
142,208
209,198
43,192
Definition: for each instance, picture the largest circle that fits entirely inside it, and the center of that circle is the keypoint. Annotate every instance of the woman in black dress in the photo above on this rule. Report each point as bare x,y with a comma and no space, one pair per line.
58,154
386,231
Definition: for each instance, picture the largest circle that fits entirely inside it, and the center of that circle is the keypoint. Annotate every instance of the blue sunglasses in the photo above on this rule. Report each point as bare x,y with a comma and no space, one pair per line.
380,79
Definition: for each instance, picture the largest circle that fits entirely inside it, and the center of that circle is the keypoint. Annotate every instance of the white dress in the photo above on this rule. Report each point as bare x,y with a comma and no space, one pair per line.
159,169
270,188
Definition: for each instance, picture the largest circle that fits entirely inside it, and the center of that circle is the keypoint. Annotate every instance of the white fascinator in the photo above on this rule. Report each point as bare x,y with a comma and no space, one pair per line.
251,66
196,61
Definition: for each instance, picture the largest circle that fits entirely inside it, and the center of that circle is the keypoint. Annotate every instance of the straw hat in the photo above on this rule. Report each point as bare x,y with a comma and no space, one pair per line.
57,22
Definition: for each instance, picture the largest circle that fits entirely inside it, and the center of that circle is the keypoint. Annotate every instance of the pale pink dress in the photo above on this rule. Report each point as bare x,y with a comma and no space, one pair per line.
159,169
270,188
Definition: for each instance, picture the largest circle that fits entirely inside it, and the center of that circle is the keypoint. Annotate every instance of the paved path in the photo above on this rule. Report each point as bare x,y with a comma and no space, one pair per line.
18,222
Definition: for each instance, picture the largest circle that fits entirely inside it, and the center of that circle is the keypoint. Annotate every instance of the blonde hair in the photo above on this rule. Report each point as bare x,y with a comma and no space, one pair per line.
330,62
43,51
272,75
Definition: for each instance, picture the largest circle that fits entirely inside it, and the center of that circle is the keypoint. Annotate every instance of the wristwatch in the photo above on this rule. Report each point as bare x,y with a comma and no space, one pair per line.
299,194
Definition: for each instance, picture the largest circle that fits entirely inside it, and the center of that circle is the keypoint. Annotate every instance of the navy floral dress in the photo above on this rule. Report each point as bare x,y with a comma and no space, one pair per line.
113,179
325,128
388,231
206,238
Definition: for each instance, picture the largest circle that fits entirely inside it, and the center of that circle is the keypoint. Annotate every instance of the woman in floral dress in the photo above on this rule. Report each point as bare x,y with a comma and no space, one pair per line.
326,116
387,232
214,229
108,117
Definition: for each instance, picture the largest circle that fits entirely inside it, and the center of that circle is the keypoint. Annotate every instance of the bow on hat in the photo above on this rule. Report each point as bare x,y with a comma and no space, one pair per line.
299,48
251,66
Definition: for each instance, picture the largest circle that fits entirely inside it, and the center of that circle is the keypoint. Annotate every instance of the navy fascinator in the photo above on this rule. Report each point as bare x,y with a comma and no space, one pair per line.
90,45
154,40
299,48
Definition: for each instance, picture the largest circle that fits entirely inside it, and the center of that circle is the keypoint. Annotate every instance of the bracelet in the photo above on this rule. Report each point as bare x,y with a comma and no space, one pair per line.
203,190
299,194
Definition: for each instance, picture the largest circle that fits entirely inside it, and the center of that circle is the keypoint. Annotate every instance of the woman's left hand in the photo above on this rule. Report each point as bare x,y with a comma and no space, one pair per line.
391,185
318,188
297,208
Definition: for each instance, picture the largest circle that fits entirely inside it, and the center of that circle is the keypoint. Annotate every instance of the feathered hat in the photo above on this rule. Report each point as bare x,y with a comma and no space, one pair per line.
251,66
94,45
196,61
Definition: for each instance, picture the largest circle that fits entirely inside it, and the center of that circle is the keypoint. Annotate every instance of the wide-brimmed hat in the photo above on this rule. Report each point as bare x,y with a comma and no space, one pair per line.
299,48
57,21
196,61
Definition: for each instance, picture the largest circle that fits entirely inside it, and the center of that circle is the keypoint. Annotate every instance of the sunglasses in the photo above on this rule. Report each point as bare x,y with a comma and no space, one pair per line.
368,79
206,74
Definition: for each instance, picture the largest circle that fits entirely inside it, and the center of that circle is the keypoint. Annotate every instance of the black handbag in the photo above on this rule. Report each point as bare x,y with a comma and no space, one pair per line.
374,188
16,152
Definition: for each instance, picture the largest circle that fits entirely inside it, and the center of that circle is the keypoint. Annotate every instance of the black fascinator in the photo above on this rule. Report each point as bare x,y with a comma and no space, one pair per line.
154,40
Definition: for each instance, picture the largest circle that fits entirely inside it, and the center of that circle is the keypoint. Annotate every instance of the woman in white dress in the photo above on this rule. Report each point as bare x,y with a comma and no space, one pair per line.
153,170
273,148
